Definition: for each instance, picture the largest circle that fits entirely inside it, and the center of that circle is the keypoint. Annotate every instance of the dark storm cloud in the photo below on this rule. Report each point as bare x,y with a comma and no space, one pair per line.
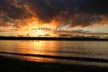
54,6
48,9
75,12
11,10
97,6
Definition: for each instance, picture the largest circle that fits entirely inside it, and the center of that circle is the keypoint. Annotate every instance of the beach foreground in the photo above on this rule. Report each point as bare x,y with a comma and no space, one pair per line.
15,65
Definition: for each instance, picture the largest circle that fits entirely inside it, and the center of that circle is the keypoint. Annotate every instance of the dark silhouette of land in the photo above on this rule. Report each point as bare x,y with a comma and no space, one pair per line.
54,38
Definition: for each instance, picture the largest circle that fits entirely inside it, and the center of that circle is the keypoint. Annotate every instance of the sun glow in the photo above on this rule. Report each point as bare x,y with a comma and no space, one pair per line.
37,29
33,27
40,33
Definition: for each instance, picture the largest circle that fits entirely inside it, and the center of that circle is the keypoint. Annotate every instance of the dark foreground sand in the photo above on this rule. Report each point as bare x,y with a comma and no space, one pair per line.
15,65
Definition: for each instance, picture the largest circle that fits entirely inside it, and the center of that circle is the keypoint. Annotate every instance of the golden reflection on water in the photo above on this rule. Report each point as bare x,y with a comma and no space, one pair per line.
38,47
89,49
79,49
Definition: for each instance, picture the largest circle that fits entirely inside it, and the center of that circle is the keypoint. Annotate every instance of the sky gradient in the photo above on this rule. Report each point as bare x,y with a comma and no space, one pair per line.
91,15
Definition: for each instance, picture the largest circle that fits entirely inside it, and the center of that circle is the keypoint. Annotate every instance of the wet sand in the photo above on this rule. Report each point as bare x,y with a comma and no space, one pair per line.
8,64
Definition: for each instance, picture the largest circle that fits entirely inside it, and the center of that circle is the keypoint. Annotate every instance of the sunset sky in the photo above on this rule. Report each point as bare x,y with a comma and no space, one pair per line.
28,15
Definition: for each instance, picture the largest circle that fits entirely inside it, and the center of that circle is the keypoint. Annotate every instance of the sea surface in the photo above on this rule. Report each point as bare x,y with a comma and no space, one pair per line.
57,51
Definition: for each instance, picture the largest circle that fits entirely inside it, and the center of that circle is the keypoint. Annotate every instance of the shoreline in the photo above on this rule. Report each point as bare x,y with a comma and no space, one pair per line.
16,65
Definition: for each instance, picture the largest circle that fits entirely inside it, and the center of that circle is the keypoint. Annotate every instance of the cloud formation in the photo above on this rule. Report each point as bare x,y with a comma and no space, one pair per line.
72,12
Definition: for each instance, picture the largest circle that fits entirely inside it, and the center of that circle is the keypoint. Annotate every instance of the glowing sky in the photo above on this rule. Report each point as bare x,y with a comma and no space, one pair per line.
21,15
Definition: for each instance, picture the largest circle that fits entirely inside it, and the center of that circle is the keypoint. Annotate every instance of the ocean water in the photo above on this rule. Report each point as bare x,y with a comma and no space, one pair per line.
57,51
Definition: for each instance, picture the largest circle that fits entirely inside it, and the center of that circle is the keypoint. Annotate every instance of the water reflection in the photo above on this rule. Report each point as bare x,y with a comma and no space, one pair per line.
38,47
89,49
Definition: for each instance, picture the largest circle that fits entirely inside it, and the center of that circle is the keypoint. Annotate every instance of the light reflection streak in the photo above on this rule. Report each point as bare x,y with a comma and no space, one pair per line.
38,47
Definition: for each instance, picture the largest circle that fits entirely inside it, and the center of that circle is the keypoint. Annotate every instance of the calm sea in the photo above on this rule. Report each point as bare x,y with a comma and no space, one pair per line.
44,51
